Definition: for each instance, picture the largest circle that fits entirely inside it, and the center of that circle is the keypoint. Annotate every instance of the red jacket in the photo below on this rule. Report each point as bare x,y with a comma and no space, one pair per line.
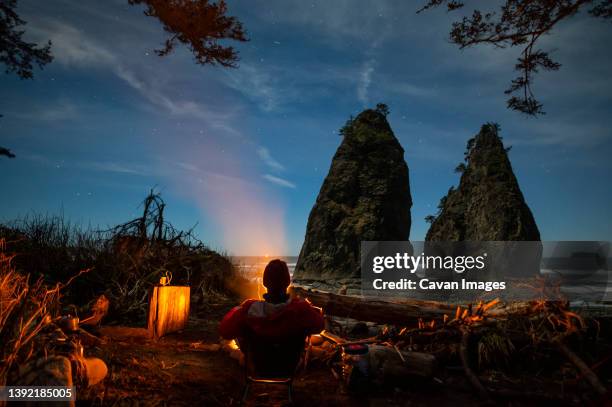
294,317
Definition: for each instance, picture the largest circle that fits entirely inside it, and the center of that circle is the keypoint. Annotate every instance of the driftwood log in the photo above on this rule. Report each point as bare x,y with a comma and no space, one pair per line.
401,312
373,310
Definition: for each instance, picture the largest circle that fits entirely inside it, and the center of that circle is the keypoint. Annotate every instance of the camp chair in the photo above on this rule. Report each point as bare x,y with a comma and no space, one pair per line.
272,360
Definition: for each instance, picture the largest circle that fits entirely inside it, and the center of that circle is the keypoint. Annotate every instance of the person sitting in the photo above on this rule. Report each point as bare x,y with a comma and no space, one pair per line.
277,316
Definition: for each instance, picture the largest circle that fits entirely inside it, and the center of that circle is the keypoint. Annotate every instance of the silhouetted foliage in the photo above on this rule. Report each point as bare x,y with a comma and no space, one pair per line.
430,219
383,109
200,25
6,152
16,54
602,9
442,202
348,126
492,127
468,149
519,23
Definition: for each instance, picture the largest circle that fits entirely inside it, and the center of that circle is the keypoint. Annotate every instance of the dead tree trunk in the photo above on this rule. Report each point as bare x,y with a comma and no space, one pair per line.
394,313
348,306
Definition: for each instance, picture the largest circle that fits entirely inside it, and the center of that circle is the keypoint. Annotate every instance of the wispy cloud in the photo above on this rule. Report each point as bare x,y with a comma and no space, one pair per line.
140,169
409,89
339,18
158,98
365,79
563,134
218,178
279,181
54,111
72,47
63,110
116,167
256,84
187,166
266,157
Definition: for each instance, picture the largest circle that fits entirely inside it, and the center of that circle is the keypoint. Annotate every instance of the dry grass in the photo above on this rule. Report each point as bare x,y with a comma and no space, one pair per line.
25,308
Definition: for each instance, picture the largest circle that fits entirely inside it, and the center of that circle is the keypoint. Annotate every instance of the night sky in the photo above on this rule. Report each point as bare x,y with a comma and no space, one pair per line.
243,152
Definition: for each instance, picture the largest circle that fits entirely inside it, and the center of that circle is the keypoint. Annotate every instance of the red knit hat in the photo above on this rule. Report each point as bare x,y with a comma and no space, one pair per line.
276,276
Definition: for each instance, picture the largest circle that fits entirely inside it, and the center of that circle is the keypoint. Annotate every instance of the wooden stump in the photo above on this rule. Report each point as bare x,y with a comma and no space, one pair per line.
168,309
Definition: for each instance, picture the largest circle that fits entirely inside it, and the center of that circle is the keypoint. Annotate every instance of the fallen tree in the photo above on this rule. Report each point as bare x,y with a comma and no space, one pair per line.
401,312
373,310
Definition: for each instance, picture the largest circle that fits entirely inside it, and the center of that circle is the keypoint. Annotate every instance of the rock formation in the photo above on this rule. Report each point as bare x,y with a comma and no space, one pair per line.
365,196
488,204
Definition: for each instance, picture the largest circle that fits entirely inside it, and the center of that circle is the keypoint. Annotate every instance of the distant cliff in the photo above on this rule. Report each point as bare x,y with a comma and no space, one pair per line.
365,196
488,203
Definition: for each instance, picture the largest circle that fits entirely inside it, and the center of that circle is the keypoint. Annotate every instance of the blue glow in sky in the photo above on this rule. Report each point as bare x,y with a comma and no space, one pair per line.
243,152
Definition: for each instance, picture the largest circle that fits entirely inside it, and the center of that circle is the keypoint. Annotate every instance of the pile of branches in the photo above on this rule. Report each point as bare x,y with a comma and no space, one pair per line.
524,351
144,249
533,338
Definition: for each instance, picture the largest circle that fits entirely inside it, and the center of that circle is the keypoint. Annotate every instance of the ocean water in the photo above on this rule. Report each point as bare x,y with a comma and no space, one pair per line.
594,287
253,266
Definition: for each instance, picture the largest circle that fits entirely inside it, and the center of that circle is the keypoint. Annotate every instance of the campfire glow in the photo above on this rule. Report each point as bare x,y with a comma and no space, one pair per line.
240,209
233,344
260,287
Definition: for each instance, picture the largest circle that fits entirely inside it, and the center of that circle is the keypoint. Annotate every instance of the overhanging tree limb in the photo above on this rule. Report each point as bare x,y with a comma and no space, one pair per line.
17,55
200,25
519,23
6,152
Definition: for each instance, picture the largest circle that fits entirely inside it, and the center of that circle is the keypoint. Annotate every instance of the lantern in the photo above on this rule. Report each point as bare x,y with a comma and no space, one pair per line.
168,309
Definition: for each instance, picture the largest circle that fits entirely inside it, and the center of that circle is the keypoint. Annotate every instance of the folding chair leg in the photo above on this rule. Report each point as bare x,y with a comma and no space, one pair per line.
245,393
290,392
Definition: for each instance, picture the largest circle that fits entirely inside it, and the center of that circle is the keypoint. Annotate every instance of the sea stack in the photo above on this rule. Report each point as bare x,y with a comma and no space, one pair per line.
365,196
488,205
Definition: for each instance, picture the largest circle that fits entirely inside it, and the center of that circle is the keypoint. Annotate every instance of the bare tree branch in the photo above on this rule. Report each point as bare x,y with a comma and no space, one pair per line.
519,23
